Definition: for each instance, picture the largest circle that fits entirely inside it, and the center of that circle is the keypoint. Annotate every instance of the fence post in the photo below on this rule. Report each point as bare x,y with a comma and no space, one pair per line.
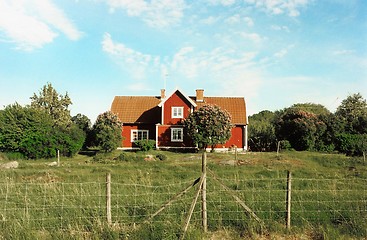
203,194
108,198
58,157
288,200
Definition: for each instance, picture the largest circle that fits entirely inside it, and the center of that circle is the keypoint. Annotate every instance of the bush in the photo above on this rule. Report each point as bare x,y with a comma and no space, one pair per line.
145,145
161,156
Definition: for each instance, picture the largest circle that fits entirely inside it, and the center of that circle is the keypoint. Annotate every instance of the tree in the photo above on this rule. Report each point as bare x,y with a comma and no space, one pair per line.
302,129
107,131
262,131
353,113
208,126
314,108
84,123
32,133
54,104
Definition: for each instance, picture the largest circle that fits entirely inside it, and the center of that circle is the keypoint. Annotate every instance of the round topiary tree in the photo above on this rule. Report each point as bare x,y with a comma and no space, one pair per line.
208,126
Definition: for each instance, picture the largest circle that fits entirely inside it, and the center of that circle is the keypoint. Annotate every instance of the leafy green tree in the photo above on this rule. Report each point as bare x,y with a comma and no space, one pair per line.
208,126
314,108
352,115
352,112
107,131
39,130
54,104
262,131
84,123
302,129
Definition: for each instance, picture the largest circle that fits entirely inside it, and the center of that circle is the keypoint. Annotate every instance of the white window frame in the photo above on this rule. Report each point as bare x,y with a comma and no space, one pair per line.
173,139
177,112
135,134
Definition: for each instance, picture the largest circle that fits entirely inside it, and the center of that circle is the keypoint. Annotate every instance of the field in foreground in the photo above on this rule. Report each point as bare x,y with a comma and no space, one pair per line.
329,197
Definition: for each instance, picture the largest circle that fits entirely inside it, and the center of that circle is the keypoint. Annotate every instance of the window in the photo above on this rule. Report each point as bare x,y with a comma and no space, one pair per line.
177,112
176,134
139,135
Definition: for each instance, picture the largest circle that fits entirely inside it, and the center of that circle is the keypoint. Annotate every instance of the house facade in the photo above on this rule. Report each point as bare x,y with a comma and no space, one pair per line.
160,118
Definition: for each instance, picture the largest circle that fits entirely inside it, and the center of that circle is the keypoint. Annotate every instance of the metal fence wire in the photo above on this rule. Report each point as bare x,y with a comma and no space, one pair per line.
58,205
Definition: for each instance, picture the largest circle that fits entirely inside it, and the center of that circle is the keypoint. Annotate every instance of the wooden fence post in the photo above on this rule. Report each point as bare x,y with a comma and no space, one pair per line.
288,200
203,195
58,157
108,198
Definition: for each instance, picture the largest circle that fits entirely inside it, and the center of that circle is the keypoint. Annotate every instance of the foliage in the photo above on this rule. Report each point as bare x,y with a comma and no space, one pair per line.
352,116
208,126
84,123
107,131
54,104
302,129
32,133
353,113
314,108
262,132
352,144
145,144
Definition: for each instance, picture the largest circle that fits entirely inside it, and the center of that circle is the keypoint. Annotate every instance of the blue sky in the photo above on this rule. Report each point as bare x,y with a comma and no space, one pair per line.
272,52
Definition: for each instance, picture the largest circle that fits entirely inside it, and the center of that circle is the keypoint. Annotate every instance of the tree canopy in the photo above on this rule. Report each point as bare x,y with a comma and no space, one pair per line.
107,131
208,126
54,104
40,129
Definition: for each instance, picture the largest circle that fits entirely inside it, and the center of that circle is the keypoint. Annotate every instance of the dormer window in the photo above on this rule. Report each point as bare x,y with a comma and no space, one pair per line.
177,112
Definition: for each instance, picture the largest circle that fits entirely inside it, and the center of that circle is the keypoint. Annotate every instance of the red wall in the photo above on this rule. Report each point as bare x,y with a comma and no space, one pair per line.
176,100
164,138
126,133
235,140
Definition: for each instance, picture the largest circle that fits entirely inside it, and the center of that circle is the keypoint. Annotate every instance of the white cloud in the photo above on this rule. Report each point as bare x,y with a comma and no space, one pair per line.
209,20
254,37
281,53
280,28
343,52
232,70
156,13
222,2
233,19
284,51
32,23
249,21
133,61
291,7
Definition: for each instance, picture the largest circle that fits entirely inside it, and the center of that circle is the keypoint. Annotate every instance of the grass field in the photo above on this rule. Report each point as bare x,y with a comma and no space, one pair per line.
329,197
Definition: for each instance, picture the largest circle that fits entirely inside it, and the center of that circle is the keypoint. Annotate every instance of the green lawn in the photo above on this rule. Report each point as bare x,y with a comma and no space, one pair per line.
329,197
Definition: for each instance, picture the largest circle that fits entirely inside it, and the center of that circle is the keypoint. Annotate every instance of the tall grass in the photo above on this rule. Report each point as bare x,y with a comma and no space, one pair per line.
42,202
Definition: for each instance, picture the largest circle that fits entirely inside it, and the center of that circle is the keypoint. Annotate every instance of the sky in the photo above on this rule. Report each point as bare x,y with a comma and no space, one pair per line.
274,53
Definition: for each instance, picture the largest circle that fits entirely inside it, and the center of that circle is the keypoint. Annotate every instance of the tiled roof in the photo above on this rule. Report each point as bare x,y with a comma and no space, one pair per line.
136,109
234,105
139,109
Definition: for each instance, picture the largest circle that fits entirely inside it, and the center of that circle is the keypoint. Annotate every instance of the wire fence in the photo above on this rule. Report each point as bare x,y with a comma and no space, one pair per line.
341,202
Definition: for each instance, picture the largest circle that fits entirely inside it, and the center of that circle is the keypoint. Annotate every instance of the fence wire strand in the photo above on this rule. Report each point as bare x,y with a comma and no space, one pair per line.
57,205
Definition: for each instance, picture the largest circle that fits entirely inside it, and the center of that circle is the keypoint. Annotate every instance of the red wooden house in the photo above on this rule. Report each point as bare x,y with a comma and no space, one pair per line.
160,118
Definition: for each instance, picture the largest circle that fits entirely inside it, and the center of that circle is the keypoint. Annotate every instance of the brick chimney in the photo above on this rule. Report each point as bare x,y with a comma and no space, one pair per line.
163,93
200,95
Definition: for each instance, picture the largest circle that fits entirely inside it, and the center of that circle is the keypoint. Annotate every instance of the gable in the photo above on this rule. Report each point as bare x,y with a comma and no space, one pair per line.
175,108
179,93
137,109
